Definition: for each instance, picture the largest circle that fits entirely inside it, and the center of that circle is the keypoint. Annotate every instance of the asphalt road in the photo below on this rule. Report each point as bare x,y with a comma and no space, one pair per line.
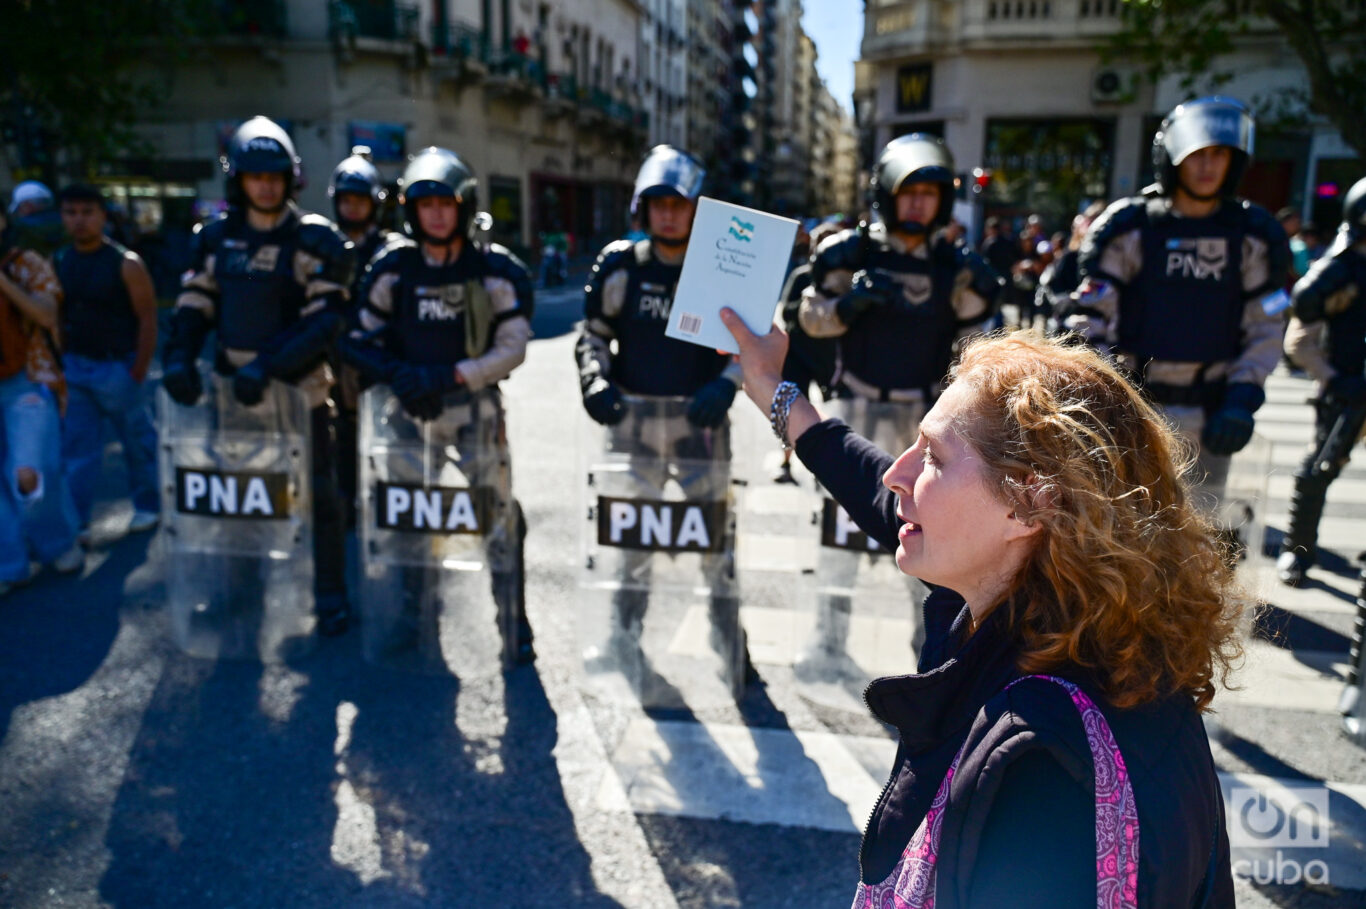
134,776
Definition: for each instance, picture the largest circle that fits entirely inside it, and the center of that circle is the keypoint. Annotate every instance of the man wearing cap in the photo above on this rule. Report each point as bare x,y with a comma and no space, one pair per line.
109,333
1185,284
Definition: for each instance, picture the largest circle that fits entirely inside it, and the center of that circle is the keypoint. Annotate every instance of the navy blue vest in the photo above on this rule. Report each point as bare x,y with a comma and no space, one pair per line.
646,362
258,293
1347,329
428,322
1187,302
908,344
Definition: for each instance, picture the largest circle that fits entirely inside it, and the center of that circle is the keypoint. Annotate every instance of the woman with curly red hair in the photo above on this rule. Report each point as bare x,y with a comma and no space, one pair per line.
1051,752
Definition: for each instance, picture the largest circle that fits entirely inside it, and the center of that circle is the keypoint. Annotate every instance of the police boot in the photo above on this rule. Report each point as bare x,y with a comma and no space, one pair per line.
1299,549
334,615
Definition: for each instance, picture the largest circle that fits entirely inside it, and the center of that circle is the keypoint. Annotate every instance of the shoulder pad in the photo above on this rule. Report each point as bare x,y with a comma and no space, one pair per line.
502,263
1326,277
845,249
206,238
615,255
211,231
985,281
390,256
319,236
1119,219
1259,222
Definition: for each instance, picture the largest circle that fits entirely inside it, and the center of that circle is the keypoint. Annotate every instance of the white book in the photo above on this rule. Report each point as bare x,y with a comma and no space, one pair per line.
737,257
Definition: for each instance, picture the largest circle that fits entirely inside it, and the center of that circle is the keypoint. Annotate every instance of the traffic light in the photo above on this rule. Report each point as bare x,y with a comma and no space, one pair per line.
981,179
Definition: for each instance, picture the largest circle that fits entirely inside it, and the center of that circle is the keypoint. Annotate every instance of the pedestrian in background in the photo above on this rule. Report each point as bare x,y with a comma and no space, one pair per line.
109,334
1051,748
37,517
1063,274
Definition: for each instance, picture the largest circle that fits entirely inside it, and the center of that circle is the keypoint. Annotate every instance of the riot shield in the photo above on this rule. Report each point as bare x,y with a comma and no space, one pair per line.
660,614
1241,513
438,536
237,519
863,617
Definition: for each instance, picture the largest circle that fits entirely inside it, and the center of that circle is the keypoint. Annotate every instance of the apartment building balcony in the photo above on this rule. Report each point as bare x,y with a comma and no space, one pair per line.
355,20
459,52
935,26
512,75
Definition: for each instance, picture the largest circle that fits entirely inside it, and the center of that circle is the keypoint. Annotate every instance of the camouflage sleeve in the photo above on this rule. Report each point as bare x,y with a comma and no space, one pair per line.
604,297
832,275
1304,344
324,264
512,331
198,286
1111,257
1263,336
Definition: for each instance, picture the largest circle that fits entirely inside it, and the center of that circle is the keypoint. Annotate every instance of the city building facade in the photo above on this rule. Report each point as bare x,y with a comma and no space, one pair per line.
1019,90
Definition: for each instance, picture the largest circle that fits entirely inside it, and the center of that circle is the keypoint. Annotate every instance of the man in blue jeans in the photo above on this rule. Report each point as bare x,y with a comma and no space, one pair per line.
37,518
109,330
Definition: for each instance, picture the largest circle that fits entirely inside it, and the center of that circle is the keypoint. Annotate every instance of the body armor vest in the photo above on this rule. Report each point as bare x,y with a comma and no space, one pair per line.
647,362
259,295
907,344
1186,304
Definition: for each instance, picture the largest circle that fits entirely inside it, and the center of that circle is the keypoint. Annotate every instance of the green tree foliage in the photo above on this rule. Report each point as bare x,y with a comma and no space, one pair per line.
1193,39
77,76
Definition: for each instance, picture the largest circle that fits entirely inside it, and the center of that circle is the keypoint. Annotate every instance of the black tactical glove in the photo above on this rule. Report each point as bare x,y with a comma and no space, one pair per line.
421,388
250,382
182,383
711,403
1229,429
602,400
1347,389
870,290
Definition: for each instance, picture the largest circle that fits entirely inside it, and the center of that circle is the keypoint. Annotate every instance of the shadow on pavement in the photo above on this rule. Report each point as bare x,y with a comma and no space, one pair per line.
58,630
333,783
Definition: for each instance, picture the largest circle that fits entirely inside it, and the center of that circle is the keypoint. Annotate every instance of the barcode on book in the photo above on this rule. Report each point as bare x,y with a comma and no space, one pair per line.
689,324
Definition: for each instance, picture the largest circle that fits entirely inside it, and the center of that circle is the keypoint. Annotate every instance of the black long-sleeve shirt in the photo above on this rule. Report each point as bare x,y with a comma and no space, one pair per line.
1037,846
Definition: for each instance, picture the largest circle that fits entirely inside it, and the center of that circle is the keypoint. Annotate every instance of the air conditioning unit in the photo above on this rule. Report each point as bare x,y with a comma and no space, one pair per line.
1114,85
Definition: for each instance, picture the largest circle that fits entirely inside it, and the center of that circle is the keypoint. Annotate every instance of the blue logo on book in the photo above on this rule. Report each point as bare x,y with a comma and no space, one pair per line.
740,230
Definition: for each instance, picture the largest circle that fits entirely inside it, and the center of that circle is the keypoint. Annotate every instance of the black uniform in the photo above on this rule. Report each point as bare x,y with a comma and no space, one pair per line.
278,299
627,301
1327,336
808,359
899,348
473,316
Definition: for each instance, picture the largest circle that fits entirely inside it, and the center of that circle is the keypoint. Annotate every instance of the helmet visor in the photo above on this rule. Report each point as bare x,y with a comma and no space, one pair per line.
1192,128
670,170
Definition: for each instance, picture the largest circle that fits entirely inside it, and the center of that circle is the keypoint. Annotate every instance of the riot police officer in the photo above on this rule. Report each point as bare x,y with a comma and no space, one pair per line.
1185,284
622,350
440,314
897,296
274,282
897,293
357,192
1327,337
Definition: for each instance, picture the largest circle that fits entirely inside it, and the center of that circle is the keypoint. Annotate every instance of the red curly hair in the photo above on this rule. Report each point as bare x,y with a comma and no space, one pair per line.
1127,580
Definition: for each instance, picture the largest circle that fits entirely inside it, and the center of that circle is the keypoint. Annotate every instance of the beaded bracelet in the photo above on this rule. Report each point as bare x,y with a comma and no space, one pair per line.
783,396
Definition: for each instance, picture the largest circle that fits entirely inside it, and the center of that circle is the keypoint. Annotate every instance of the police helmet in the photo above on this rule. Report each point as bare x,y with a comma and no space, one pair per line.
260,146
666,171
1354,210
1204,123
356,174
913,158
439,172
